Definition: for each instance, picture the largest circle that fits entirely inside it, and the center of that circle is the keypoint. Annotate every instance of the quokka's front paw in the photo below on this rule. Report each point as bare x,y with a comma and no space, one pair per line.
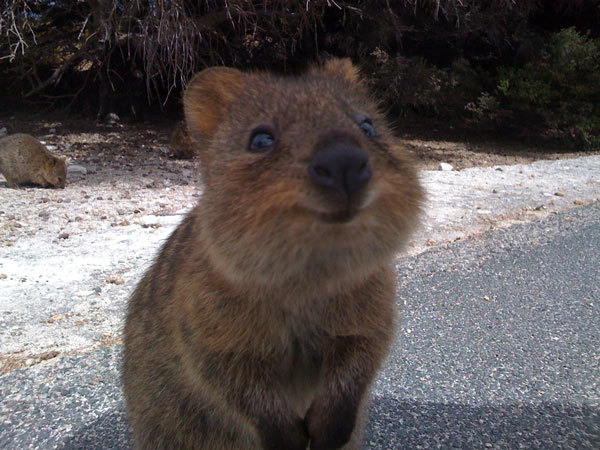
292,435
330,423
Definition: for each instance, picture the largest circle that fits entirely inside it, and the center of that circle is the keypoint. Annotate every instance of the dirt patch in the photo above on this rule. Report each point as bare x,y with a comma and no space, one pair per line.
70,258
143,147
131,179
8,363
462,155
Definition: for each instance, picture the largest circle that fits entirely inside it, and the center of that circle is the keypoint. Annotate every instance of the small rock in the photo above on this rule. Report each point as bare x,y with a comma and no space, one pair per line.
499,169
121,212
577,202
52,130
44,215
3,276
559,194
63,236
75,169
445,167
51,147
3,132
112,118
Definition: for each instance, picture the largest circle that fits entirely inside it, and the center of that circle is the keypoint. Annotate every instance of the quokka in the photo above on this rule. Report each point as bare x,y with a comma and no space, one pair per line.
266,315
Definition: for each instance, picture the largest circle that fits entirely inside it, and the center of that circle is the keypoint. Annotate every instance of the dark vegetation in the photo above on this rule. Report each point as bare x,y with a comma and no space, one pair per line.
531,67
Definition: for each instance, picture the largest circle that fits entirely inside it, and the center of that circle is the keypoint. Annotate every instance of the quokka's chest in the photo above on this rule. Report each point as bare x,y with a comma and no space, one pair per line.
301,377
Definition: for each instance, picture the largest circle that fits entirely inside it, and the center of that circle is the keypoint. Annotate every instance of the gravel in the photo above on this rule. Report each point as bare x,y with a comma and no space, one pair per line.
69,258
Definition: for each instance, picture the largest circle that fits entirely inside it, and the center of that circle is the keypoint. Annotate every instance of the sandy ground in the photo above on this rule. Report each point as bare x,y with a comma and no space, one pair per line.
70,258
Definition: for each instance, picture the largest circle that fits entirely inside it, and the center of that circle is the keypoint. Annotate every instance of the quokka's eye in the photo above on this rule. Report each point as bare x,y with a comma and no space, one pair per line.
367,127
261,140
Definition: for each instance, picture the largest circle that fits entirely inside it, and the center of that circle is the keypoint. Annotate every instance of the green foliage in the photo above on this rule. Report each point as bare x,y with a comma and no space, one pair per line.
412,85
558,91
498,63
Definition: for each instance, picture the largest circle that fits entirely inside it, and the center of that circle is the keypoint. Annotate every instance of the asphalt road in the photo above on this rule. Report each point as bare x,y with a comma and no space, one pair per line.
499,347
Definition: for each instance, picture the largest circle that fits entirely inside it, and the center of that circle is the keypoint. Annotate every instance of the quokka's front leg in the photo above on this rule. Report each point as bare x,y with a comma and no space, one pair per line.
335,416
252,386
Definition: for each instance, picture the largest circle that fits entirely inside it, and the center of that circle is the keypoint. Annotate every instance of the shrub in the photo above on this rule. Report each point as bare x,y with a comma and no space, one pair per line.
558,92
412,85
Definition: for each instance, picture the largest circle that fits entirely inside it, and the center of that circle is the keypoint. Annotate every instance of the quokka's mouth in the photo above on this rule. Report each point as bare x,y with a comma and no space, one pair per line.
339,217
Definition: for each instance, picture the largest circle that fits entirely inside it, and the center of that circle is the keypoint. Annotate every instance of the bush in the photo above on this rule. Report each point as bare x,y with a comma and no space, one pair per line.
558,92
495,62
412,85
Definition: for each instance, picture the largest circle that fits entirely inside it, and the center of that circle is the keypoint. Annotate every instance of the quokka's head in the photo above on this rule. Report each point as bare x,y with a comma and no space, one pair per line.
55,173
299,172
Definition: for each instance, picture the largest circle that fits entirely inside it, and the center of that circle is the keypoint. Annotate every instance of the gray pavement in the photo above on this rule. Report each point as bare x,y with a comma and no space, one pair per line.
500,342
498,347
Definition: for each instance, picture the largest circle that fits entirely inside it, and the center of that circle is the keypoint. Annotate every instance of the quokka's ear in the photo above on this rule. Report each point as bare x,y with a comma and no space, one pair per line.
207,98
342,69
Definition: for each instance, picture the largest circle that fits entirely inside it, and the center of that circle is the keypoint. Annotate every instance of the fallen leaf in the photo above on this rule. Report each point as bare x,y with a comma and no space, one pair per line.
114,280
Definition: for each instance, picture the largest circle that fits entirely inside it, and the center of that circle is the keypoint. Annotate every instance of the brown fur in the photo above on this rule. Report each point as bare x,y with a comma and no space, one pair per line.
262,322
181,143
24,160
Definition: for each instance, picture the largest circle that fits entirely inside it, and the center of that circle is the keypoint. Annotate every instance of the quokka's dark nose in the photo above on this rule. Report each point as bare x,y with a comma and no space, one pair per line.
341,166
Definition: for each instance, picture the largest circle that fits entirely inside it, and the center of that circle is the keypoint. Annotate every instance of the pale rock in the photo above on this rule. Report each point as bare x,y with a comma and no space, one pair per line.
74,169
